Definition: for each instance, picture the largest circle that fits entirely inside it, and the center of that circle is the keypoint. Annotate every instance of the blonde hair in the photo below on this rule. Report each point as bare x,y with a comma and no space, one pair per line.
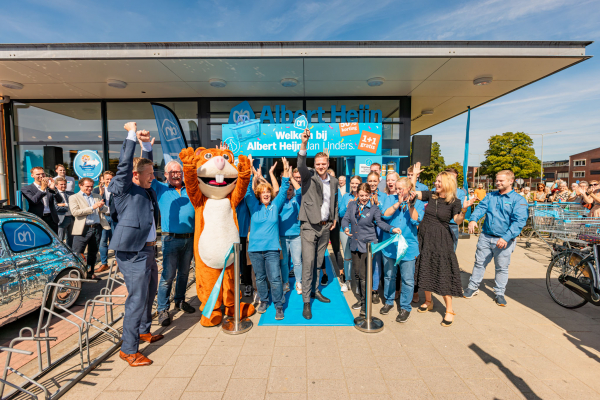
448,185
508,173
407,182
387,189
263,186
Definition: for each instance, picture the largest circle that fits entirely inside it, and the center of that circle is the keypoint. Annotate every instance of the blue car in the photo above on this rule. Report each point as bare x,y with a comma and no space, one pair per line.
31,255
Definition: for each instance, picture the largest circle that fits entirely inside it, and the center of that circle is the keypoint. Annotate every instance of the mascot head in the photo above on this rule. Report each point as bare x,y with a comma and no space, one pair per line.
216,173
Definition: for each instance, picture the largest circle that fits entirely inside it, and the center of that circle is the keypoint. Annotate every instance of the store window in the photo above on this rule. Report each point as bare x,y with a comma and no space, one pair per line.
119,113
579,174
579,163
46,134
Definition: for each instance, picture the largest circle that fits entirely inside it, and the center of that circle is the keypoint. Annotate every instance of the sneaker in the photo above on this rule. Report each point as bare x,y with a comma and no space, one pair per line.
247,290
362,312
343,287
185,307
500,300
286,288
348,285
386,309
356,306
376,298
279,314
469,293
262,307
324,280
403,316
298,288
164,319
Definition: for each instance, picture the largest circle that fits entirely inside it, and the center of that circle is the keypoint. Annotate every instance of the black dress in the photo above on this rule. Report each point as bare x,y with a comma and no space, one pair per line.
436,268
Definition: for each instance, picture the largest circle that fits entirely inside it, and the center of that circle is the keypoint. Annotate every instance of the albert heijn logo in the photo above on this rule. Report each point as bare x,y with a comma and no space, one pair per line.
170,129
239,111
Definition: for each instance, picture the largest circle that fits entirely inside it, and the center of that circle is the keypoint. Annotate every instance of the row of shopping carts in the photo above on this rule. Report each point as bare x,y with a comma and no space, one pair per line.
569,222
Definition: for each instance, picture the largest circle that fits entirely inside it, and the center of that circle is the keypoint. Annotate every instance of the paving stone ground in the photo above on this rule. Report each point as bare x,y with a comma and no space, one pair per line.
532,349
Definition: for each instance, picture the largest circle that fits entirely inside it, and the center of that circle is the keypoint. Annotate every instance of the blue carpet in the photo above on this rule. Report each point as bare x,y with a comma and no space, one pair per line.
336,313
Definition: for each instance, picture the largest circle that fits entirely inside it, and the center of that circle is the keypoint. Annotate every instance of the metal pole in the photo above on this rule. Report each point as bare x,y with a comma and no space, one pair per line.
542,163
368,323
236,325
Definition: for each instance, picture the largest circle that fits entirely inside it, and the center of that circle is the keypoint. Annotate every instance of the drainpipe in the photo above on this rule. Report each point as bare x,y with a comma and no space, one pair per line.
3,166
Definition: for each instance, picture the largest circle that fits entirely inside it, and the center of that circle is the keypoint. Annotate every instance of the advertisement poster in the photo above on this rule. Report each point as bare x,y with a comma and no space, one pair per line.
87,164
283,140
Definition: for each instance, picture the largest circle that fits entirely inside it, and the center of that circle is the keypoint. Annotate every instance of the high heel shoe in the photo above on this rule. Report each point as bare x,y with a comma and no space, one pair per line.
424,308
446,323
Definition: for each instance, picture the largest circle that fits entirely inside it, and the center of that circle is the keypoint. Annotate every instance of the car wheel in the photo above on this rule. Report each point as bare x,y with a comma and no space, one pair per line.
65,297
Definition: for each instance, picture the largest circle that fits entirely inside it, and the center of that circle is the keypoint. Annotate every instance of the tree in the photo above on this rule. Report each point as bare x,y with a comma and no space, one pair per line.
457,166
512,151
436,165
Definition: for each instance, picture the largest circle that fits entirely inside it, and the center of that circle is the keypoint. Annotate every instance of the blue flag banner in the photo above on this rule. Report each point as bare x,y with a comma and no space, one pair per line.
401,243
172,140
214,294
466,163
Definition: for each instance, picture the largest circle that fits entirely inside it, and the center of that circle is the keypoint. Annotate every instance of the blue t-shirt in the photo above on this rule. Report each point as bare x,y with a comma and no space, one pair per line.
461,195
264,220
401,219
177,214
289,225
243,216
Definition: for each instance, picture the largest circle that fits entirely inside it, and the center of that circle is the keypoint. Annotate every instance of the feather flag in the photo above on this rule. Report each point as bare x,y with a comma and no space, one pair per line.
466,162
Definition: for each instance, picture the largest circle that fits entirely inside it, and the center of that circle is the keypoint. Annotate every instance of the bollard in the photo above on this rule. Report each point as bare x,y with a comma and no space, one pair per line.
235,325
369,323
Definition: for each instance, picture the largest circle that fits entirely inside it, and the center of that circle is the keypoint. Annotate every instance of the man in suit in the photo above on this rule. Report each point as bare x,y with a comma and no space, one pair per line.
318,213
134,243
65,218
88,209
40,197
103,191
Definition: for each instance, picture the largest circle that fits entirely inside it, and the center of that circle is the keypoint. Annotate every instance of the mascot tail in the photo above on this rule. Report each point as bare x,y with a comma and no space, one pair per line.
214,294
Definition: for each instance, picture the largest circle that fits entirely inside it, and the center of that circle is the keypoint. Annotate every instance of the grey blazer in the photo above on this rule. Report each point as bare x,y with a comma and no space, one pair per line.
312,194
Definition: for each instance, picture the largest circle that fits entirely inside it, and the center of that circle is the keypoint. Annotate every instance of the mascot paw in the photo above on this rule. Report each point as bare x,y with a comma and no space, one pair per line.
215,319
246,310
243,163
188,157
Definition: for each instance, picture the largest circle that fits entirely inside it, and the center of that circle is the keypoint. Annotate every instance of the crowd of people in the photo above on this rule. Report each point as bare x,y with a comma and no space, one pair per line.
285,227
587,194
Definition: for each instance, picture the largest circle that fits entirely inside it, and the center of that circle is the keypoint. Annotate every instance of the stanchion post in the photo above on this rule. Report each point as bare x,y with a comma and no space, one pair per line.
368,323
236,325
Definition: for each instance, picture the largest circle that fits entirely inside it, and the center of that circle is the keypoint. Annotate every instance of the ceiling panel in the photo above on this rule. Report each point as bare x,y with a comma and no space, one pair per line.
47,91
247,89
501,69
359,88
465,88
361,69
236,70
134,90
424,122
419,104
100,70
16,72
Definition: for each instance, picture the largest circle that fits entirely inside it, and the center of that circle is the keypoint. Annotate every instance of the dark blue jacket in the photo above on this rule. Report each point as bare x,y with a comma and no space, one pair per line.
62,211
135,206
34,199
363,230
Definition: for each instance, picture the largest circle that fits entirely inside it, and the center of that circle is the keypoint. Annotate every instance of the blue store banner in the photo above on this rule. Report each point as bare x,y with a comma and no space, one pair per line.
283,140
172,140
87,164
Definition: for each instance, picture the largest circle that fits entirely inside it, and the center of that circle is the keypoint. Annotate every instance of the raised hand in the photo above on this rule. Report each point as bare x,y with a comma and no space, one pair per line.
469,203
223,146
305,136
188,157
417,169
44,184
51,184
143,136
273,167
130,126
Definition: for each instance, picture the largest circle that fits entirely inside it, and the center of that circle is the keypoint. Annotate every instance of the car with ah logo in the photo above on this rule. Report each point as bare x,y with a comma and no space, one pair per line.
31,255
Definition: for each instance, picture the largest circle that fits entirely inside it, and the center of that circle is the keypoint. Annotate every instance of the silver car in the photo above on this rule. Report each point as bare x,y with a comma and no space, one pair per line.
31,255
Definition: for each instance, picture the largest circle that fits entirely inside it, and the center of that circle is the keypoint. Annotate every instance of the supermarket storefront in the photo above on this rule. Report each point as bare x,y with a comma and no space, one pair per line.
64,98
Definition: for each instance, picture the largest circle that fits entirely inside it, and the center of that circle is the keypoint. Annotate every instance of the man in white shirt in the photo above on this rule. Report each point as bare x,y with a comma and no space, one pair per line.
40,197
61,171
107,233
342,185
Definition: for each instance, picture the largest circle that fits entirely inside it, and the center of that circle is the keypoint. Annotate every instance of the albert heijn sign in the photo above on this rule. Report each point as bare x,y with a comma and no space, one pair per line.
274,133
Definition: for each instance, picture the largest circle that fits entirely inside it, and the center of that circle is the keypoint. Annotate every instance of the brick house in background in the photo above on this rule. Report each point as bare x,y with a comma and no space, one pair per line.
585,166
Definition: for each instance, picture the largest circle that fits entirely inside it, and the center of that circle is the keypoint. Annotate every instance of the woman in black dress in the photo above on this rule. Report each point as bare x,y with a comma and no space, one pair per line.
436,268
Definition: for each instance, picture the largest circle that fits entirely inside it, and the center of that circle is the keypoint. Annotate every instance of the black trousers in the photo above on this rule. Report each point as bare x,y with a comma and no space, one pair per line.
334,237
359,265
246,269
47,218
90,238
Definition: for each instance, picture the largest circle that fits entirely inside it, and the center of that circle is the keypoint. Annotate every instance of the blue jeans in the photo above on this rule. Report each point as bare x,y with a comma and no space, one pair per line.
266,266
407,275
177,259
106,236
377,267
347,255
486,250
454,229
291,245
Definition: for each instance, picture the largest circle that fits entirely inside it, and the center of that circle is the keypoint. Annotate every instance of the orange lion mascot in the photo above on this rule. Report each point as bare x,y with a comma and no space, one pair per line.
215,187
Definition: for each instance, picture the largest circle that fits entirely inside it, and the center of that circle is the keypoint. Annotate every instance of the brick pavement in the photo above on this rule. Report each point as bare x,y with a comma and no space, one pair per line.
531,349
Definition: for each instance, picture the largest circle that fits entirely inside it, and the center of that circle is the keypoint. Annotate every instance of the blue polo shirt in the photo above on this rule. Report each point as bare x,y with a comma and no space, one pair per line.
243,216
421,187
505,214
461,195
264,220
177,214
289,225
401,219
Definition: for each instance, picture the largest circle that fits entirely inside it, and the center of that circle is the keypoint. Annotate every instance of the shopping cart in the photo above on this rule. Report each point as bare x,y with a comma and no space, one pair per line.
547,221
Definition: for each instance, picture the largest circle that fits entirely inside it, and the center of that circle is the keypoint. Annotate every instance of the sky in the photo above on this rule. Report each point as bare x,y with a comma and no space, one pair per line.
568,101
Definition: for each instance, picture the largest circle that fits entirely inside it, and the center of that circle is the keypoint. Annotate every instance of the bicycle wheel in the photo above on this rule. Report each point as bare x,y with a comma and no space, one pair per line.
566,263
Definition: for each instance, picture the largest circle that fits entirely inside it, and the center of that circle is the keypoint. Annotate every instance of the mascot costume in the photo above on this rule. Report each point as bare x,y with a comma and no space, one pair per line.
215,188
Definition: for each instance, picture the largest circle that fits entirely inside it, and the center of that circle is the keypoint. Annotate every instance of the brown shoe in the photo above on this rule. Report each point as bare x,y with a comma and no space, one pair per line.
103,267
148,337
136,360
